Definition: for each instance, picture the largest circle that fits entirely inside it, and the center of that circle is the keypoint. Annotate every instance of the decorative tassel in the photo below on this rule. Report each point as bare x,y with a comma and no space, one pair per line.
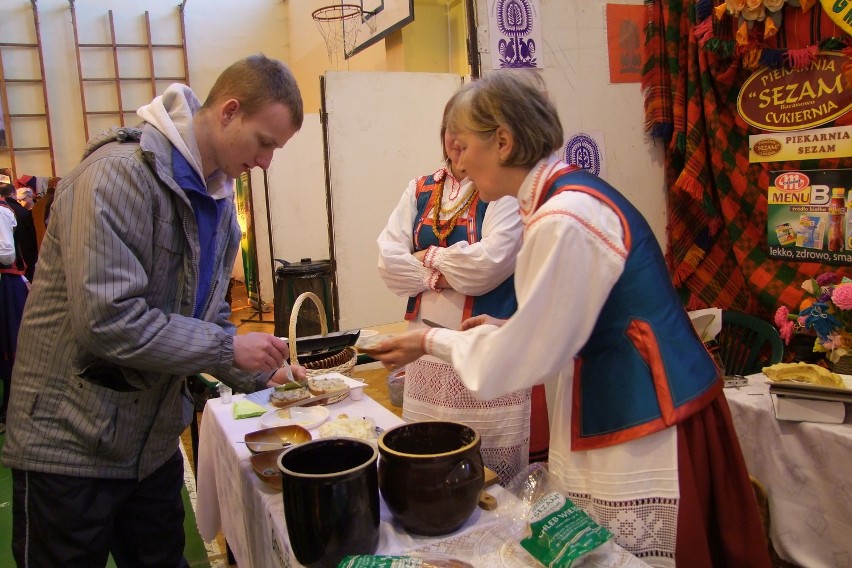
773,58
661,130
688,265
703,31
801,58
703,8
742,33
751,58
769,28
690,186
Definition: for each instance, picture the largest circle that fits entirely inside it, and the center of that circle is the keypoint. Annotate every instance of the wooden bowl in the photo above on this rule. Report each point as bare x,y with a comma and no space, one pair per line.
276,438
265,465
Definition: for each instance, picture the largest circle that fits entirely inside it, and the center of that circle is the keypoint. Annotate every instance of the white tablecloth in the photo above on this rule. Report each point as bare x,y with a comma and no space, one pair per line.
250,513
806,468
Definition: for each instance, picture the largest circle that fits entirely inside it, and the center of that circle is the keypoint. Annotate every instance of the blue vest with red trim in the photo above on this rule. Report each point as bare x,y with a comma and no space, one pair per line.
644,368
499,302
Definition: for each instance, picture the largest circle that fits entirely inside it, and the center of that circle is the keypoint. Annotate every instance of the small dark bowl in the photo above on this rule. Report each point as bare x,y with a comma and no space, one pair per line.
265,465
271,439
430,475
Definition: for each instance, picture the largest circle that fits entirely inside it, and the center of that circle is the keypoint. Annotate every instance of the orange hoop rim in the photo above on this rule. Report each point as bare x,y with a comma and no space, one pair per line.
336,12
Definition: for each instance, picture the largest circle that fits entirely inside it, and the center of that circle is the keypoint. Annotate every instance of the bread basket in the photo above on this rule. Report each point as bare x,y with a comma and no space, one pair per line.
341,362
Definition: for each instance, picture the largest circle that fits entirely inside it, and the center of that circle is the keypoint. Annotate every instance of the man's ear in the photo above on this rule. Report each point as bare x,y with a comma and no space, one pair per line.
505,143
228,111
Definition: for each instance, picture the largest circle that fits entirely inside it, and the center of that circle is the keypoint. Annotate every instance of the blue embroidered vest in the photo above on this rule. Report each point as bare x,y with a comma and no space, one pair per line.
499,302
643,369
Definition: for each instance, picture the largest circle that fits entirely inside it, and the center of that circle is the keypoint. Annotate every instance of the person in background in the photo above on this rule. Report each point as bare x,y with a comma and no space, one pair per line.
642,436
129,301
25,233
25,197
13,294
453,256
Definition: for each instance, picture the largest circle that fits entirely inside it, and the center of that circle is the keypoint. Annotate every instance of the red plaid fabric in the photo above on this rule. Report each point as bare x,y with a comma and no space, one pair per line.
716,198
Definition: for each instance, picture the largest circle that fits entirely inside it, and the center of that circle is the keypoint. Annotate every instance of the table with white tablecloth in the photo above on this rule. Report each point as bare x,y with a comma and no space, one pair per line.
806,468
250,513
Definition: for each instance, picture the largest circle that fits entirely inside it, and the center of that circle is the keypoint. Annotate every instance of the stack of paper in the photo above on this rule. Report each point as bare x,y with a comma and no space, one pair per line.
803,402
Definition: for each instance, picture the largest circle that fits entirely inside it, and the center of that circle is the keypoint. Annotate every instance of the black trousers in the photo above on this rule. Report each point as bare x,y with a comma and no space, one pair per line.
60,520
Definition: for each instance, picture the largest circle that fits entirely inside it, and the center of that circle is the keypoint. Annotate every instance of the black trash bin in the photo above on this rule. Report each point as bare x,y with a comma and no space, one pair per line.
293,279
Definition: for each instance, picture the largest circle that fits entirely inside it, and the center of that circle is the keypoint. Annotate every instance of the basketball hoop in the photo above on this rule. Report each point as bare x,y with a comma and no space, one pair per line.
338,25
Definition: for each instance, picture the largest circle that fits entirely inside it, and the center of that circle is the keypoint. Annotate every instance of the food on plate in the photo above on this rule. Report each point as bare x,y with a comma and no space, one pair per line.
803,373
283,397
324,385
344,426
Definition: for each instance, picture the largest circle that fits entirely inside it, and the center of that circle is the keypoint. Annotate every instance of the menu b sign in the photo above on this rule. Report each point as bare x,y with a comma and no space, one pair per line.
810,216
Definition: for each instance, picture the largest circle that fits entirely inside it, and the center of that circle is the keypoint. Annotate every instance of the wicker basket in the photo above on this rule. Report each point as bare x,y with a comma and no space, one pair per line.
843,365
342,362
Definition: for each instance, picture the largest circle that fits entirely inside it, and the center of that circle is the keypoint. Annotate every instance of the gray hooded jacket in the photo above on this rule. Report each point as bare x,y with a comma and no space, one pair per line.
108,334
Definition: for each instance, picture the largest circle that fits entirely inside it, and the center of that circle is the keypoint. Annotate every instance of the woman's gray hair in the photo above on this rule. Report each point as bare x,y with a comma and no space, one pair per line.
516,101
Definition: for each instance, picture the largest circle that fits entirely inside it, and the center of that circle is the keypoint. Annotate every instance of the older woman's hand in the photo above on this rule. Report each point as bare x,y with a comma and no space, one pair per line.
396,351
476,321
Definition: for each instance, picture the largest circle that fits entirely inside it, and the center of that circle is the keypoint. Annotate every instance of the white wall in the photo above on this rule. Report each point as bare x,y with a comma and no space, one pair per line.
576,70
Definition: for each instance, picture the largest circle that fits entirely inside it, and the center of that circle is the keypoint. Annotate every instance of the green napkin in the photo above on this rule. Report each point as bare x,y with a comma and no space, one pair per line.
247,409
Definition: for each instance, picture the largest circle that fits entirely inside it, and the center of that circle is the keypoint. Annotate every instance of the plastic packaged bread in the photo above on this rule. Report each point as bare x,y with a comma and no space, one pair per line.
803,373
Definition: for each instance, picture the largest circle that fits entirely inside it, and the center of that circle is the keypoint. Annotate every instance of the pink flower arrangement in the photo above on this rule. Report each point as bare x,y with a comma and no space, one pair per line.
827,311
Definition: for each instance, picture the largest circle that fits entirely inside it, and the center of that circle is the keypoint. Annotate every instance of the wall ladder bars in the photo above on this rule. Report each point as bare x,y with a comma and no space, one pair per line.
117,79
10,117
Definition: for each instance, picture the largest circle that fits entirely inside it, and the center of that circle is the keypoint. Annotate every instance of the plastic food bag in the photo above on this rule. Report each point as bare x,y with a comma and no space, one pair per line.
552,529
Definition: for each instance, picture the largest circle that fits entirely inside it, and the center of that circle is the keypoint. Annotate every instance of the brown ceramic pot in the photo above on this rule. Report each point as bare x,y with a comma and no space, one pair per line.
430,475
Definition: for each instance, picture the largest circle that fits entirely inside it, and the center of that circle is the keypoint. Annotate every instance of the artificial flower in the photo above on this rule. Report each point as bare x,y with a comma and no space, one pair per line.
827,312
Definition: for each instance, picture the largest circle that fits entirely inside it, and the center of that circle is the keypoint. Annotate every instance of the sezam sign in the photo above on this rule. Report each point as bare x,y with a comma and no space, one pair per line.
784,99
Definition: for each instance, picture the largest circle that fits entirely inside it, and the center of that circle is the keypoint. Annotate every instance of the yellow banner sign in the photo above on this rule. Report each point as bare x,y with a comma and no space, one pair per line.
840,11
816,144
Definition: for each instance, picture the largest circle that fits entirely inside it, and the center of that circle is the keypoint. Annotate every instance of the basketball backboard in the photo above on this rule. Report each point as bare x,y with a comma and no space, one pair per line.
380,18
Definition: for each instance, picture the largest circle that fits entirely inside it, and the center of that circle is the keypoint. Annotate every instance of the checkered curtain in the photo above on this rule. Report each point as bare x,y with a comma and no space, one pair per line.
717,206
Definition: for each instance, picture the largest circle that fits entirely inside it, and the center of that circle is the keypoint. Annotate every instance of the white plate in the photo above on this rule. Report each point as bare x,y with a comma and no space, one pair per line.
308,418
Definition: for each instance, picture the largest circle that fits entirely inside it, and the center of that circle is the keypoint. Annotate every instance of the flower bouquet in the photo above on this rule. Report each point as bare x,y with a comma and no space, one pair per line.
826,311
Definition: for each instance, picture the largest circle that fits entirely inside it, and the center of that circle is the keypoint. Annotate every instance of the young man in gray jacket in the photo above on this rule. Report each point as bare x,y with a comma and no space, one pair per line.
130,299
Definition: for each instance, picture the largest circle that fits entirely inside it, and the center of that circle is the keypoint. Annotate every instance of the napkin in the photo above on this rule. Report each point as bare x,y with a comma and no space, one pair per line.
247,409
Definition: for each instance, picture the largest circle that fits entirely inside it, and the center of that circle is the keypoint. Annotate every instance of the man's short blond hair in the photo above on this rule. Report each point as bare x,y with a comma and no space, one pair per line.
256,81
516,101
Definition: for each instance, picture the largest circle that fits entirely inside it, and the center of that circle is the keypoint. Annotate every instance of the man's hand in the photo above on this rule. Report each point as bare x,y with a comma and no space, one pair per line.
394,352
481,320
259,352
282,377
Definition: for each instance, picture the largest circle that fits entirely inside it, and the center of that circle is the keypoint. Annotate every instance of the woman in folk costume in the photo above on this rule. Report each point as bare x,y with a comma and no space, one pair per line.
453,256
642,436
14,289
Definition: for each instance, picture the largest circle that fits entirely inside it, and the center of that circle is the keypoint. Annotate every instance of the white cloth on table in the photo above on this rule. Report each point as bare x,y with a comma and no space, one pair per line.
571,257
805,468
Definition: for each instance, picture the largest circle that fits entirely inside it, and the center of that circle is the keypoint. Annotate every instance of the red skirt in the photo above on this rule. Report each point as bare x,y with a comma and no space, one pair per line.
718,520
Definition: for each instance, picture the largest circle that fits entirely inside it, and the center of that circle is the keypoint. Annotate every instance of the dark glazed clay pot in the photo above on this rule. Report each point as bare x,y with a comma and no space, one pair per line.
331,500
430,475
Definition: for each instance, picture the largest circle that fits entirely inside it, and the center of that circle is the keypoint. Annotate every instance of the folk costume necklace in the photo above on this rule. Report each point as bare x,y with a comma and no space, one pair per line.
455,212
